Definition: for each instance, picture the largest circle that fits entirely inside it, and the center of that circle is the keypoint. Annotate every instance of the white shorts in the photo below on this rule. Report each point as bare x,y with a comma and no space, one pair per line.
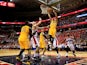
71,46
61,46
34,42
55,43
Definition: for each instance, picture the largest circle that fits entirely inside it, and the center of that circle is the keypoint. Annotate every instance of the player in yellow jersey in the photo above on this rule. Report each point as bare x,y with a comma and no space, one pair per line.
52,26
24,40
42,45
42,41
52,31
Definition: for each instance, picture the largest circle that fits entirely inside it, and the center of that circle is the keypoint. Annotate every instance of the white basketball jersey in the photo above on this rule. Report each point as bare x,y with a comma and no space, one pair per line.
36,34
69,41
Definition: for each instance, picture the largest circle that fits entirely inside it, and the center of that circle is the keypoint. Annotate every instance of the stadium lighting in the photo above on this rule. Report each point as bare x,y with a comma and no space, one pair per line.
82,15
11,0
11,4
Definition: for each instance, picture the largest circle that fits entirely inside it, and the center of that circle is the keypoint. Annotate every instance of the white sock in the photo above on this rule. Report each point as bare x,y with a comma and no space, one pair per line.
23,56
59,55
36,54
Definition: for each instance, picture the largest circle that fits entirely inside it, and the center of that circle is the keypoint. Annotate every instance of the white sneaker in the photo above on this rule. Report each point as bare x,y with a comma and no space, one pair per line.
58,56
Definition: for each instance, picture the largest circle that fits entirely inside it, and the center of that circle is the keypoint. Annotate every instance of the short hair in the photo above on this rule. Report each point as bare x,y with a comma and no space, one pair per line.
67,34
26,22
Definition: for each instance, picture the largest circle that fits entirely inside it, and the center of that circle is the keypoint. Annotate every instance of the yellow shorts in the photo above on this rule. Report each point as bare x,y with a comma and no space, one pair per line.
24,44
52,32
43,44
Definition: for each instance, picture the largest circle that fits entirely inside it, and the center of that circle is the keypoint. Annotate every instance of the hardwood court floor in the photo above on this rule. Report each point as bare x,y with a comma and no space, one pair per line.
10,52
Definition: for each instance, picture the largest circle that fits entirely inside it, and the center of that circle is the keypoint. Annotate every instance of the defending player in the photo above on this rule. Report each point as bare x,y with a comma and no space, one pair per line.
35,35
70,44
43,43
53,25
24,40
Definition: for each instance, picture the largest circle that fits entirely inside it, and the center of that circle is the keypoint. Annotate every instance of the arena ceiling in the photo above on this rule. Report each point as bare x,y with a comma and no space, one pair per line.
30,9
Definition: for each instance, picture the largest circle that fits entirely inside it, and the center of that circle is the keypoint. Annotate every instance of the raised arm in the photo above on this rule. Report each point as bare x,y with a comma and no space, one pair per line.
38,23
56,17
49,15
55,13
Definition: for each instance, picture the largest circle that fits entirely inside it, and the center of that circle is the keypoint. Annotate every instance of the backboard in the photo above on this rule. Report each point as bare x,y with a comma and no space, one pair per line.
55,4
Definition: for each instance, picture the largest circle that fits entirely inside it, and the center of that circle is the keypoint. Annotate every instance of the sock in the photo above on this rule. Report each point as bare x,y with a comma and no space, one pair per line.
23,56
22,50
58,55
58,58
36,55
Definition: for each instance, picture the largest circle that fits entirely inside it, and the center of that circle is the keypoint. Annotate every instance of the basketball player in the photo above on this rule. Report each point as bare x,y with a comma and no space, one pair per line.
42,40
35,35
53,22
52,29
52,33
24,40
12,35
53,25
70,44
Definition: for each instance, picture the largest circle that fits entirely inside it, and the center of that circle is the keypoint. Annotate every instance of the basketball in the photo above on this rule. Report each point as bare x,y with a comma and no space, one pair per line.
49,10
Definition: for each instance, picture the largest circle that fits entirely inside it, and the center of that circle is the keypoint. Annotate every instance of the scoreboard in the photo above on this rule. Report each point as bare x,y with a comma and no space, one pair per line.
5,3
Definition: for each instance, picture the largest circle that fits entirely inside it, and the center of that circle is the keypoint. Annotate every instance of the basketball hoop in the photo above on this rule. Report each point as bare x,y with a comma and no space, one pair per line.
45,9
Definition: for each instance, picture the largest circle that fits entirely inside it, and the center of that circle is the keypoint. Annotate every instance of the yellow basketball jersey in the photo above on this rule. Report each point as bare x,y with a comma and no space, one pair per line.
41,36
52,29
24,32
42,41
53,24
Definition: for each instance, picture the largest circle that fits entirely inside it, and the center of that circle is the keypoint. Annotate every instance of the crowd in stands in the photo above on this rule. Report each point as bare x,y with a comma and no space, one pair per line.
79,34
68,20
71,19
9,46
80,38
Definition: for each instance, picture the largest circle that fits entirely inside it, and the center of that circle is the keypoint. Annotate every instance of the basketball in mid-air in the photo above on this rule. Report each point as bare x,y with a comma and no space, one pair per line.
49,10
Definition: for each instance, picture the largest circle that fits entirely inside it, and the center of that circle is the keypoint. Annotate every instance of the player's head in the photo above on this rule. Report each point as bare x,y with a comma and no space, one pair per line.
68,34
28,23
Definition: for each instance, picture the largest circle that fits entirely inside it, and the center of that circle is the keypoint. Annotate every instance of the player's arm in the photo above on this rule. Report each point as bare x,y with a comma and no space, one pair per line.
46,26
55,13
38,23
49,15
56,17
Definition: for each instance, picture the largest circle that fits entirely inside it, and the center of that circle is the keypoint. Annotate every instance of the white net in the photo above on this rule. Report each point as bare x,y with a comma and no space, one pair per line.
55,5
43,9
